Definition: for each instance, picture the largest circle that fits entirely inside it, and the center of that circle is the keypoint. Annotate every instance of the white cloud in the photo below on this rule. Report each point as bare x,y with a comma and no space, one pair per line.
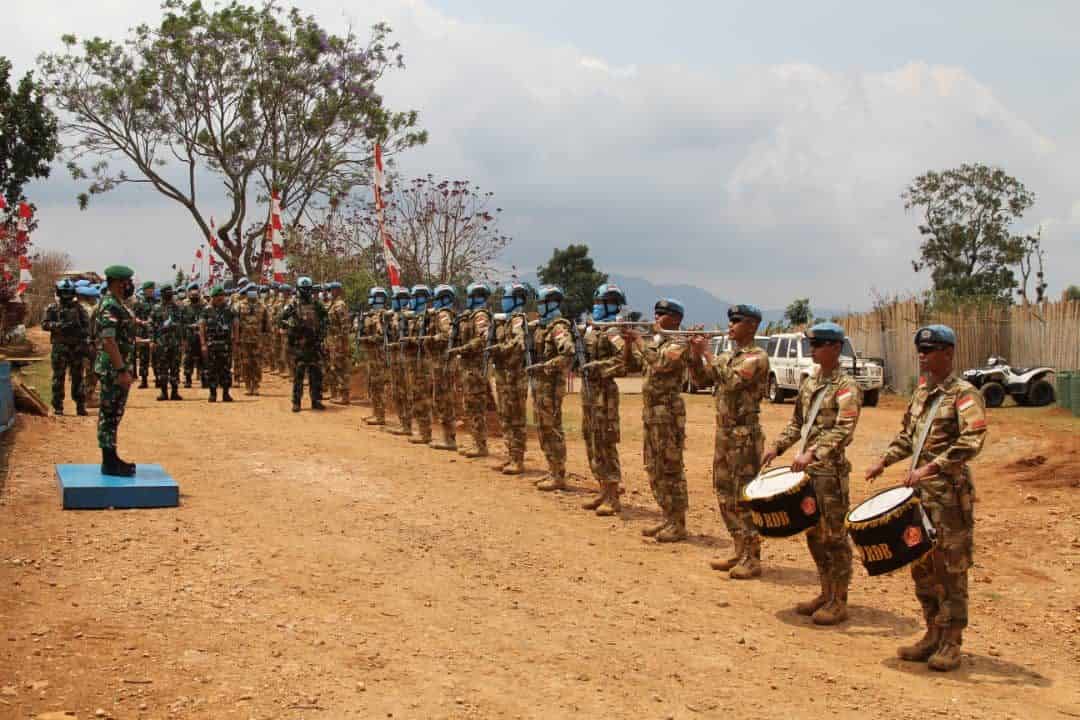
760,182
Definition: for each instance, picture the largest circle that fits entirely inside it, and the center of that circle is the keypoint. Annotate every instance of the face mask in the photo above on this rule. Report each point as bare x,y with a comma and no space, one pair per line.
509,303
477,301
252,295
548,311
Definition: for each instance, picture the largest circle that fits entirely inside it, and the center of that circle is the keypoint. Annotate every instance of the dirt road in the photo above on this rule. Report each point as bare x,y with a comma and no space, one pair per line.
320,569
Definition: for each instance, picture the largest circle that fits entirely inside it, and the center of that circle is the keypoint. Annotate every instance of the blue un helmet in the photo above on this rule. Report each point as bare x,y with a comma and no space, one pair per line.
399,298
304,287
420,295
608,300
514,297
376,298
478,294
82,283
548,301
444,297
65,290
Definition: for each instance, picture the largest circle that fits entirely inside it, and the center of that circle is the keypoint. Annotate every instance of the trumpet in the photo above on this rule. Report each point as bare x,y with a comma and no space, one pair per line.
687,334
639,325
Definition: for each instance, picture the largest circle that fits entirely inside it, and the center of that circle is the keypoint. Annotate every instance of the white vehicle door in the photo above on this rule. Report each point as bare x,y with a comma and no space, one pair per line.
782,362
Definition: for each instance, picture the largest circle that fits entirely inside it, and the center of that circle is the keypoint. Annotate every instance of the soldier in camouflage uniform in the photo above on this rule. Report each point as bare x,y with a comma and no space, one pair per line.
606,360
738,378
254,326
511,379
167,331
285,361
142,354
115,327
957,417
305,321
444,334
193,359
397,328
477,328
338,347
219,333
372,342
265,299
554,344
664,361
418,363
239,293
824,420
89,296
68,325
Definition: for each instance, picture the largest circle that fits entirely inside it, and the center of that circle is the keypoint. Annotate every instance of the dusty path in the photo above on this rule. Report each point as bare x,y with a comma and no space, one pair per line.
319,569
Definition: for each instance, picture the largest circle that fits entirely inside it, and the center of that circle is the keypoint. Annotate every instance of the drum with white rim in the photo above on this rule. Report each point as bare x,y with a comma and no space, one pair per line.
890,530
782,502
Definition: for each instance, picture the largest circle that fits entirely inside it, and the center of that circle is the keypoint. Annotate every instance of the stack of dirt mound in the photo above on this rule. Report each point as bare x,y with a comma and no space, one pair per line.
1059,470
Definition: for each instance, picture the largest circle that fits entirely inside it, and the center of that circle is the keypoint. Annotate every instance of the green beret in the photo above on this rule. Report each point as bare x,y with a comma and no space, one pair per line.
120,272
218,290
148,285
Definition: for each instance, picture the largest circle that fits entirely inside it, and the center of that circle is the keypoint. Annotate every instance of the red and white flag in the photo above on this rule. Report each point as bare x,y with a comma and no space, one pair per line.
277,247
22,239
213,233
392,267
25,278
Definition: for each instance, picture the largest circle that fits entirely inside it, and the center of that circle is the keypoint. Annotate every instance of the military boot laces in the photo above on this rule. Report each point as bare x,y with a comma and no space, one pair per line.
726,565
610,502
834,611
948,653
675,531
809,607
924,648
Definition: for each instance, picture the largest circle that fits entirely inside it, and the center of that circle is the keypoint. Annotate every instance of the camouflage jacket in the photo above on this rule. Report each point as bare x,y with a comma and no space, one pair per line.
957,432
218,324
664,362
554,346
476,328
739,378
606,352
509,350
192,312
834,424
115,321
339,323
67,324
254,320
305,323
167,325
442,327
141,309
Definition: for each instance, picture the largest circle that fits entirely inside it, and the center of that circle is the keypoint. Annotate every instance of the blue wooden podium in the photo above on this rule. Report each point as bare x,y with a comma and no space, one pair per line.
83,487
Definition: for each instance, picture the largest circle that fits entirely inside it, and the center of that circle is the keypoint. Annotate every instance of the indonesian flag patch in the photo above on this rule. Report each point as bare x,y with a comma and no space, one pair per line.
965,403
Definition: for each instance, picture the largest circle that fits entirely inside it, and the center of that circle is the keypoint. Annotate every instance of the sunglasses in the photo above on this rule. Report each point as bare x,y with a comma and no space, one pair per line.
820,343
927,349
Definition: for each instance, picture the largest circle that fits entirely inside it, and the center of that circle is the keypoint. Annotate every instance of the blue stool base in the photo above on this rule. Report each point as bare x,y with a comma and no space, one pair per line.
83,487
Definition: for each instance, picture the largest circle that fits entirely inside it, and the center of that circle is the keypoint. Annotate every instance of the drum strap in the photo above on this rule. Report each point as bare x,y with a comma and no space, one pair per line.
815,408
924,431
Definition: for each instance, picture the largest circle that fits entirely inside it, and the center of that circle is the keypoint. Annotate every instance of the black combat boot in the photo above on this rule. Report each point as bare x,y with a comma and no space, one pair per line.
225,396
80,409
175,395
143,383
213,394
187,381
58,409
164,393
113,466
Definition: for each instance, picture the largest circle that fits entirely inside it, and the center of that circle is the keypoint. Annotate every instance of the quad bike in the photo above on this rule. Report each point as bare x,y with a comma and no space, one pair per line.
1027,386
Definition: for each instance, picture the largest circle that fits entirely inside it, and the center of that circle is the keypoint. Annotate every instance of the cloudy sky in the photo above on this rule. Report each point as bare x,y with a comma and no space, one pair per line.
755,149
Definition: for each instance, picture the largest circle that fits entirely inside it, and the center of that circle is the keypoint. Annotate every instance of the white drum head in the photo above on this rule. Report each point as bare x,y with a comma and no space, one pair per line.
773,482
880,504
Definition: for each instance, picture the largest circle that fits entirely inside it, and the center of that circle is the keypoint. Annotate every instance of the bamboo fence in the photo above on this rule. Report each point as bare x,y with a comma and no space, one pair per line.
1043,334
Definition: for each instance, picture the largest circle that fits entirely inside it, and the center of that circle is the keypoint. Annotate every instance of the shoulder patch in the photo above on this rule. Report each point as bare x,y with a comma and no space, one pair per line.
965,403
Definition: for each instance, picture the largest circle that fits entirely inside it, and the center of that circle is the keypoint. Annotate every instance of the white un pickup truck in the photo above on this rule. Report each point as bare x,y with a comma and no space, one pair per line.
790,363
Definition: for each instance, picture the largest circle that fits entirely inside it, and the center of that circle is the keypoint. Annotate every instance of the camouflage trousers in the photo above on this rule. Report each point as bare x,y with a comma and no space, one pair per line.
736,461
339,368
828,540
193,360
547,404
90,378
312,367
111,411
219,366
600,429
251,364
941,577
142,362
475,391
400,387
665,437
238,368
167,365
67,360
444,401
420,391
376,383
512,390
277,352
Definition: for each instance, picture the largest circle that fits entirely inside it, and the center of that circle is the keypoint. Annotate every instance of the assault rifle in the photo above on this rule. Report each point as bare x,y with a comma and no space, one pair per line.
455,331
423,335
530,352
581,359
487,346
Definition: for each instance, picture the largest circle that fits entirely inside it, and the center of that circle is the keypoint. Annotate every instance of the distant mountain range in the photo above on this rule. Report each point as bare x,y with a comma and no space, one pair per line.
702,307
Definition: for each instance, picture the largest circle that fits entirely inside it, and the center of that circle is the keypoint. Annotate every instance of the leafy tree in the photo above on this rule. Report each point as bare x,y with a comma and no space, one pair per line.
1071,293
1031,262
967,243
798,312
249,97
573,270
28,141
